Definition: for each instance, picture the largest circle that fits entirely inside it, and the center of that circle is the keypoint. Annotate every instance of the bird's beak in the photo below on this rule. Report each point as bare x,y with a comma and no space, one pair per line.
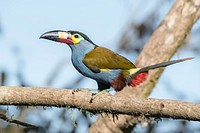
58,36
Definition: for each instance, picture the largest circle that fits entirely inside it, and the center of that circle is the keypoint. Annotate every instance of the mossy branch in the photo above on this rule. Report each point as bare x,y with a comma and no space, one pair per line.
103,103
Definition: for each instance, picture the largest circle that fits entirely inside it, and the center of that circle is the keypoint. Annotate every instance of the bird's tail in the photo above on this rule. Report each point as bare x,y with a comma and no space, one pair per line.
142,73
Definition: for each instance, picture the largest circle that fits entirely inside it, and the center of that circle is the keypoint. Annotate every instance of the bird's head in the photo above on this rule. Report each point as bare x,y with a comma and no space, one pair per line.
67,37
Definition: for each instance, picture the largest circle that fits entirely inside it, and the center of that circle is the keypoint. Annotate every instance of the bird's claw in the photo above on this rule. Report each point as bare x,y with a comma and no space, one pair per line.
75,90
80,89
94,95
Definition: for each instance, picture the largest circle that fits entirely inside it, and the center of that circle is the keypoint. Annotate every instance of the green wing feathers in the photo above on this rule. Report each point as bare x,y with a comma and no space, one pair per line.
103,58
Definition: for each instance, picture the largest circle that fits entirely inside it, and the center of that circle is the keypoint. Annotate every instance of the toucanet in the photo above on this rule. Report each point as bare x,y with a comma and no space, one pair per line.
108,68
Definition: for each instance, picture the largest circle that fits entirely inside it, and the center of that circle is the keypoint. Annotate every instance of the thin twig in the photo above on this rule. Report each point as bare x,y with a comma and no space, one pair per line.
11,120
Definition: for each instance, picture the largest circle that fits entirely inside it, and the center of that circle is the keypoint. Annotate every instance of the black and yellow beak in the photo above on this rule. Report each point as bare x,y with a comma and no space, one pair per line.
58,36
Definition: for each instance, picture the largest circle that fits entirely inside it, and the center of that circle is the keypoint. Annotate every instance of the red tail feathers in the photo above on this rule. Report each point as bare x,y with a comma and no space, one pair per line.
138,79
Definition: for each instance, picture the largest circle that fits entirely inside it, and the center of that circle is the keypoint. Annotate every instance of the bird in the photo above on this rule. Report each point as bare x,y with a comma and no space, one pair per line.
108,68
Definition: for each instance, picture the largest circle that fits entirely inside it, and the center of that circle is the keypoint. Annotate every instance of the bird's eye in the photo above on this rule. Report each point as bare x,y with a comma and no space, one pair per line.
76,36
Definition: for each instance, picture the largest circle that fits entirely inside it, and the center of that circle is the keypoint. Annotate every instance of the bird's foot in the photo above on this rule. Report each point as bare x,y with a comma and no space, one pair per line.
81,89
75,90
94,95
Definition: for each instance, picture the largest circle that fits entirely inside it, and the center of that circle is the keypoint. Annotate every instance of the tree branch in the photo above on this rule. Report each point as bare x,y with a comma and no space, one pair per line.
10,120
162,45
104,103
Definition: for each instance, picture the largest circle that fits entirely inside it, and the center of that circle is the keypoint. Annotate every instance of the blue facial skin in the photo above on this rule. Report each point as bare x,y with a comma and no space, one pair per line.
78,53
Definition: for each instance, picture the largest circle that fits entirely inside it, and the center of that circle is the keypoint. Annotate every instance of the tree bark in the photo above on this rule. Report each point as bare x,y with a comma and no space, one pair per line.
104,103
162,45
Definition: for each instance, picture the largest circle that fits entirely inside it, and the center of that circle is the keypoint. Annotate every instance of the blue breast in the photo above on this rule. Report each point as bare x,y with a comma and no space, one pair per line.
78,53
